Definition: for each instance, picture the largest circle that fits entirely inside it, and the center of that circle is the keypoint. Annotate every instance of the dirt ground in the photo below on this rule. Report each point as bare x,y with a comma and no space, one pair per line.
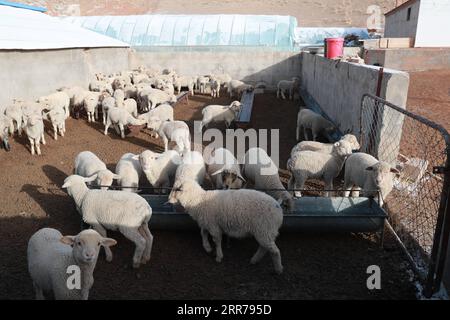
317,266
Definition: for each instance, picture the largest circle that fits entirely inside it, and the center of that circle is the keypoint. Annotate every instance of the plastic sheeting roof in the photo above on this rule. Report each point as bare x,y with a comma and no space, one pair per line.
194,30
305,37
31,30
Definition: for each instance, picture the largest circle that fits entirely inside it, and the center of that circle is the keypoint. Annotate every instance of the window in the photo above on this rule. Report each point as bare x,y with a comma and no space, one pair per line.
408,15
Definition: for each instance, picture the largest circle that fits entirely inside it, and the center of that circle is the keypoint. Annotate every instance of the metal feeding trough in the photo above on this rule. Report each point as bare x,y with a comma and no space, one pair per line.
321,214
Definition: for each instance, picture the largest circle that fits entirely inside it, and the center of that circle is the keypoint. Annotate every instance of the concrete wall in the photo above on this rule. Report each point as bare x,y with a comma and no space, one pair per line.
30,74
433,24
338,88
250,66
396,25
410,59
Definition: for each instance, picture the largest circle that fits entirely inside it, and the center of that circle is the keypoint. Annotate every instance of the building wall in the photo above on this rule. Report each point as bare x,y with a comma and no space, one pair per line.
397,26
30,74
434,24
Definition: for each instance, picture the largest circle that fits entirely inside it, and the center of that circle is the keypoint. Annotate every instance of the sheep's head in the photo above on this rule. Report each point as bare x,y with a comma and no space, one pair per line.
146,159
381,172
235,106
352,140
86,245
105,179
287,202
153,123
342,148
32,119
183,191
230,179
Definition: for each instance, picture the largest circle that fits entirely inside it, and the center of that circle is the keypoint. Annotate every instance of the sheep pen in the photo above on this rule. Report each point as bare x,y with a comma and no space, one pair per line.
34,199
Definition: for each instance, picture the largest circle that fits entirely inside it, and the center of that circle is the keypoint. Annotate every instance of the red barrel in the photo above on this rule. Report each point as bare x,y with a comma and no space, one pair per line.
334,47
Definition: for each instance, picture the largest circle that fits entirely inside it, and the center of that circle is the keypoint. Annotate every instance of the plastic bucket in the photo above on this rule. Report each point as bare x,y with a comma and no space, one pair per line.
334,47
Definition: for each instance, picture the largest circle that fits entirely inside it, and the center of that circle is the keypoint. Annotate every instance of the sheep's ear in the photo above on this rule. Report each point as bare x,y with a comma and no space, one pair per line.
91,178
69,240
369,168
66,185
108,242
135,157
116,176
217,172
394,170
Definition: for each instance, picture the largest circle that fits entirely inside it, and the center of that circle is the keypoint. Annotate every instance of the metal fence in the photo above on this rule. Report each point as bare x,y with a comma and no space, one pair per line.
417,205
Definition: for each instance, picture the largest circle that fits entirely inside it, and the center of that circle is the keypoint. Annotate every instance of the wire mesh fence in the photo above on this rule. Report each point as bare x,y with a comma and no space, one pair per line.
419,149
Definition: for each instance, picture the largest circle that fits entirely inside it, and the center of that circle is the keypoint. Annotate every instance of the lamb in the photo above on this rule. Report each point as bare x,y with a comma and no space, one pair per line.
51,256
34,128
76,95
130,104
90,102
309,120
163,112
15,114
107,103
232,86
305,165
87,164
237,213
202,82
150,98
364,171
188,82
177,131
57,99
121,118
215,88
192,167
263,173
218,113
114,210
224,170
324,147
129,169
57,118
159,168
287,85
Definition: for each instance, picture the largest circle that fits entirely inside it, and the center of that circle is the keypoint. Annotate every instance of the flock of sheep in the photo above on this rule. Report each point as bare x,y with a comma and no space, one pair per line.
144,97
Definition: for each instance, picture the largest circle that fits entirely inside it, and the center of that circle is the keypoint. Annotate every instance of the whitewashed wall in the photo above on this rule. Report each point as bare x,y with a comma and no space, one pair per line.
433,28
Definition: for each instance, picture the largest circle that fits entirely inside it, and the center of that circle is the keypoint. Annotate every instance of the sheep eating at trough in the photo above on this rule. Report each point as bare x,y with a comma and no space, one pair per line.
364,171
305,165
50,254
236,213
308,120
87,164
113,210
129,170
224,170
192,167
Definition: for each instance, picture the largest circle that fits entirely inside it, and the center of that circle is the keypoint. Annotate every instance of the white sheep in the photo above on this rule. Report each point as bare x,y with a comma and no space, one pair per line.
224,170
237,213
177,131
364,171
179,82
76,95
202,82
91,102
52,257
232,86
57,117
129,104
107,103
308,120
4,126
305,165
57,99
34,128
150,98
324,147
120,118
159,168
215,88
125,212
15,114
163,112
192,167
218,113
87,164
129,170
287,85
263,173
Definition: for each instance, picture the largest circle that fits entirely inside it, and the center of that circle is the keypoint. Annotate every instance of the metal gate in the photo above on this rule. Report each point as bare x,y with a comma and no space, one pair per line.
418,204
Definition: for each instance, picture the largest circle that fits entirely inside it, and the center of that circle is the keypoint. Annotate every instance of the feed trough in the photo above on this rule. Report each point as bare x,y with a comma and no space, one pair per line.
321,214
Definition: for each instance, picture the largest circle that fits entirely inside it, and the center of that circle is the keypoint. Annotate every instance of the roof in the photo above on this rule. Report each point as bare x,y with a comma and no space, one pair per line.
24,29
23,6
194,30
402,6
